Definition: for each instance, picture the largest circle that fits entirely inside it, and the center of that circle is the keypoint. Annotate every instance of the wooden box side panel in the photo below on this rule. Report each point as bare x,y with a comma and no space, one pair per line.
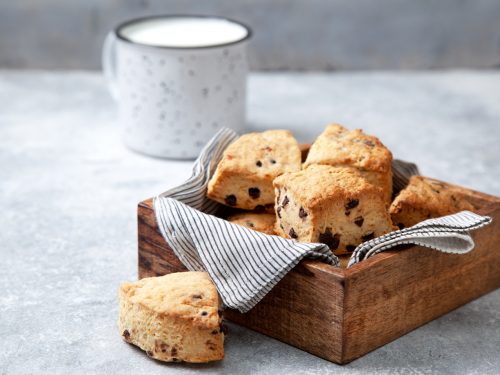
397,294
305,310
156,258
295,311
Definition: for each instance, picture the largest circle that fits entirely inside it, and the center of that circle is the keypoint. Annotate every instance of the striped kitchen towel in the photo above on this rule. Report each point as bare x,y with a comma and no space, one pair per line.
244,264
449,234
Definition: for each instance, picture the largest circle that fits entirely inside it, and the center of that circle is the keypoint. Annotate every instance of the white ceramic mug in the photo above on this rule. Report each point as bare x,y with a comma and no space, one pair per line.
177,80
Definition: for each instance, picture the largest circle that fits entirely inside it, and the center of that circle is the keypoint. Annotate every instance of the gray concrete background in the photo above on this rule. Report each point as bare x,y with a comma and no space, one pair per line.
289,34
69,190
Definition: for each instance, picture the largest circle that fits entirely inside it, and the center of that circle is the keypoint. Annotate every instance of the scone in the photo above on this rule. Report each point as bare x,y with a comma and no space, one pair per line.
244,176
338,146
260,222
425,198
173,317
333,205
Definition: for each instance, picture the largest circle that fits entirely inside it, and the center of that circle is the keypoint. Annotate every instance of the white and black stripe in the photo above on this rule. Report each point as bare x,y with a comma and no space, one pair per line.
449,234
244,264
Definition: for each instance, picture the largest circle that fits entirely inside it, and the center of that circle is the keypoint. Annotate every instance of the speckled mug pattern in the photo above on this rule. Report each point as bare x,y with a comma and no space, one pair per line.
172,101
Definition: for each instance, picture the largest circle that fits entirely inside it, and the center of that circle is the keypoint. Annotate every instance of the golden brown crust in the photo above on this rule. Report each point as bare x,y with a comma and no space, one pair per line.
244,176
263,222
333,205
426,198
173,317
338,146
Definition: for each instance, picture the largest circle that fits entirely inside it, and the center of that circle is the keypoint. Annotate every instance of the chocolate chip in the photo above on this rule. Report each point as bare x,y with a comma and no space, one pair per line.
347,213
259,208
204,313
293,234
369,143
278,212
259,163
285,201
230,200
401,225
249,224
175,359
126,335
215,332
350,248
359,221
368,236
351,203
302,213
173,351
149,353
329,239
196,296
160,346
210,345
273,161
282,227
254,192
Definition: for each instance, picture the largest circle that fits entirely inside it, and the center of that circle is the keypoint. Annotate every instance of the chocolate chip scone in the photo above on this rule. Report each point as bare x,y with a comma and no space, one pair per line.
244,176
338,146
264,222
333,205
425,198
173,317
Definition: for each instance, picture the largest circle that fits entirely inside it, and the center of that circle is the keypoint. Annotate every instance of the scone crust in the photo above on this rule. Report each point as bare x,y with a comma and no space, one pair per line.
318,183
252,162
339,146
425,198
263,222
173,317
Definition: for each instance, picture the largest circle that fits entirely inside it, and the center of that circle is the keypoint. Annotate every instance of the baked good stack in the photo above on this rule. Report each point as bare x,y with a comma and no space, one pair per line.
340,196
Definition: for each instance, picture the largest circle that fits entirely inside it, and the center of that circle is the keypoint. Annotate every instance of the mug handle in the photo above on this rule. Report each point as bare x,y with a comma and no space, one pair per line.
109,63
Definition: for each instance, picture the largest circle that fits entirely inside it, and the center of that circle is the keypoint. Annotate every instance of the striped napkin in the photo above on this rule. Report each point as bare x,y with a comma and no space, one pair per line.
449,234
244,264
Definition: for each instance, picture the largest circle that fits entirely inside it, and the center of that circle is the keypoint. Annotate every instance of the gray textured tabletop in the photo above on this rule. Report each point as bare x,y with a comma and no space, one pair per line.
69,190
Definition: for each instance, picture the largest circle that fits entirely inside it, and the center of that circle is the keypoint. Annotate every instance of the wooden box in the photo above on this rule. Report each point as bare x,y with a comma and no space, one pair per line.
342,314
